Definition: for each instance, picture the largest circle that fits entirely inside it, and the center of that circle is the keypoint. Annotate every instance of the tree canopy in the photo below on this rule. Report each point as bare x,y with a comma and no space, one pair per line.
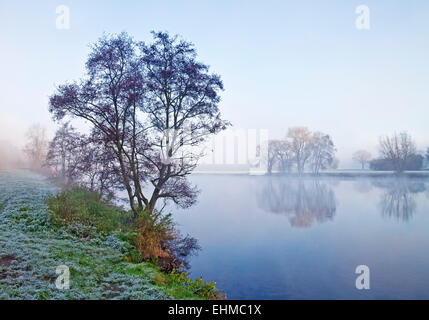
150,105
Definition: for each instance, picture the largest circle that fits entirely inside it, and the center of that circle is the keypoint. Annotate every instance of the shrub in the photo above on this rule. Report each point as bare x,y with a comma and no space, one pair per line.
78,206
152,231
157,239
205,290
415,162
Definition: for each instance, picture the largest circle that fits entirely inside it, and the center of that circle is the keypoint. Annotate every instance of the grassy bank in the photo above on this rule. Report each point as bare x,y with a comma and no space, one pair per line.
33,245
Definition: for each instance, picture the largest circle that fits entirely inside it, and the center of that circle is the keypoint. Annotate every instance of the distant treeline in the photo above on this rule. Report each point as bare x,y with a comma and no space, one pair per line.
398,153
415,162
302,150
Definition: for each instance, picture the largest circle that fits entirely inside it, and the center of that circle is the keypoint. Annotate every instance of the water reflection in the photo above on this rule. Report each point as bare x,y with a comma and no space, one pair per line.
363,186
398,199
303,201
264,255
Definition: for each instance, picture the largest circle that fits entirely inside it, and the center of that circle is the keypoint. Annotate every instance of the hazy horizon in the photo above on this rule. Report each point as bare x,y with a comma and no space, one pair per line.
297,64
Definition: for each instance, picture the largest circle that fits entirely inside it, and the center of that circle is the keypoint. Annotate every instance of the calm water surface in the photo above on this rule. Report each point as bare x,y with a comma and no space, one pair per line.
284,238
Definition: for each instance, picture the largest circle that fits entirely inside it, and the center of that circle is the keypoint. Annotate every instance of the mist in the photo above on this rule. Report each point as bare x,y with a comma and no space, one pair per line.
11,156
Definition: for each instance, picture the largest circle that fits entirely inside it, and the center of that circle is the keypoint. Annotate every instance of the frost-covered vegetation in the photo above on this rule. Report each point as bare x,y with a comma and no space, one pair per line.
32,246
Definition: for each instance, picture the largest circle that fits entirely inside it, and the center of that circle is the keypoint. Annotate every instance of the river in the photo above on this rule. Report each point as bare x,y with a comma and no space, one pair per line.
287,238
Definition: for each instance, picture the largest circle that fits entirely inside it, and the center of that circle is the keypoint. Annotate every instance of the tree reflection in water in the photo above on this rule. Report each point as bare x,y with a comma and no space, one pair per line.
303,201
398,200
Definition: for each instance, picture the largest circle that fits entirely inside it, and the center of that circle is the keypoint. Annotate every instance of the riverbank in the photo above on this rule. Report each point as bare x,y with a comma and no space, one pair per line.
332,173
367,174
32,247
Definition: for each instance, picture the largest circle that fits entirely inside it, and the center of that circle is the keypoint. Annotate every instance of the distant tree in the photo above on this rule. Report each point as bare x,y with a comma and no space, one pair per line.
362,157
36,146
427,154
279,155
63,154
75,158
323,152
273,154
285,156
301,143
302,149
398,149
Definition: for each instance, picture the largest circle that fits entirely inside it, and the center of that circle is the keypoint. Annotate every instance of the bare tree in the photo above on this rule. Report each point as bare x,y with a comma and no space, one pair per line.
363,157
75,158
183,111
280,155
285,156
273,154
323,152
62,156
301,143
99,169
301,147
150,105
108,98
398,149
36,146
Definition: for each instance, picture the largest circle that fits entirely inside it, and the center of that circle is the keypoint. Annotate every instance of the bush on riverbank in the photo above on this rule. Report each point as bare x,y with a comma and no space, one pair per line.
206,290
152,233
80,207
150,239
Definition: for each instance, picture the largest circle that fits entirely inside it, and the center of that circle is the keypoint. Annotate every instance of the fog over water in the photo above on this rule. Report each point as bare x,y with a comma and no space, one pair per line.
287,238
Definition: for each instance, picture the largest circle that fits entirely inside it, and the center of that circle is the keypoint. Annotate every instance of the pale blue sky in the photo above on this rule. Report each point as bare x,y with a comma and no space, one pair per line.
284,63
